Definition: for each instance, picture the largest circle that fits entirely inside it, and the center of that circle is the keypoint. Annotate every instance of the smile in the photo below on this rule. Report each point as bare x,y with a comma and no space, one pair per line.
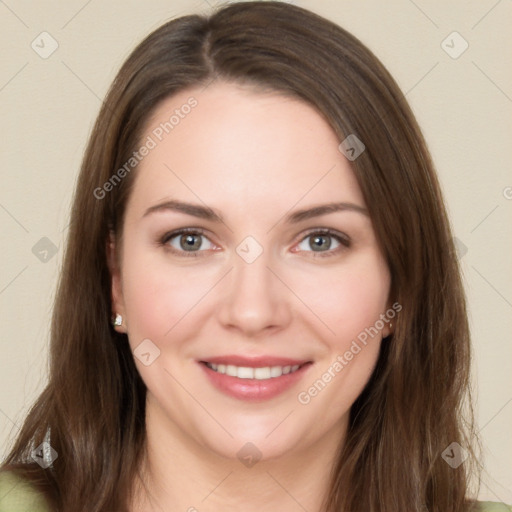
245,372
253,383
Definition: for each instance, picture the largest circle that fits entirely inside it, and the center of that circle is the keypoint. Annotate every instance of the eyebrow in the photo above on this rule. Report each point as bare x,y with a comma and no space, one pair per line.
206,213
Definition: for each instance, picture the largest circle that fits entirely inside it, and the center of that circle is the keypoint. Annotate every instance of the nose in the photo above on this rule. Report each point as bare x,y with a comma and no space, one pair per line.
255,301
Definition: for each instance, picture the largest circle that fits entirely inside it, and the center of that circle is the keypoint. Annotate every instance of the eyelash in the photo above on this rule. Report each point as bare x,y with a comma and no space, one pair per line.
342,239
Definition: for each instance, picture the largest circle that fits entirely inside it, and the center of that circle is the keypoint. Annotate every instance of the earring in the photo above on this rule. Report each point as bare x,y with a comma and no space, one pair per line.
390,325
117,321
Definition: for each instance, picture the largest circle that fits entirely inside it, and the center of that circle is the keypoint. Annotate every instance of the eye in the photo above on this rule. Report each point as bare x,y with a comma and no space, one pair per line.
320,242
187,242
193,241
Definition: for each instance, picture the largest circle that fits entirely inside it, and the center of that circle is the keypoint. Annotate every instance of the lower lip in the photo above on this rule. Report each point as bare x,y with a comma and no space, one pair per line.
254,390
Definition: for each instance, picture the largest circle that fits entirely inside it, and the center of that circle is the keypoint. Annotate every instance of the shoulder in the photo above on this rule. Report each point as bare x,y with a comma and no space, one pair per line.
17,495
491,506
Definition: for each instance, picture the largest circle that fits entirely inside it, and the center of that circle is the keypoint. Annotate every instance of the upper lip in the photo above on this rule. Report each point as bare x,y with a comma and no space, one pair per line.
254,362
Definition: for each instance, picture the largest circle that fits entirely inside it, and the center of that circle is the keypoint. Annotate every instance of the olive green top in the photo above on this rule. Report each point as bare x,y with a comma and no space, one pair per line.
16,495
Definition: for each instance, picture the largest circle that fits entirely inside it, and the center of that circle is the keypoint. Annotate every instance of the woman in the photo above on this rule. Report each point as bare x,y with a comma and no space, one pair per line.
203,357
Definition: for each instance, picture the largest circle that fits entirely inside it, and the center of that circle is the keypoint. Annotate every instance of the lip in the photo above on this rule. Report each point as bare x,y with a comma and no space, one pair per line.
255,361
254,390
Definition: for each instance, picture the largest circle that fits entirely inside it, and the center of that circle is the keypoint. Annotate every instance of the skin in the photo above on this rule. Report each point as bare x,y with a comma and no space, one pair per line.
254,158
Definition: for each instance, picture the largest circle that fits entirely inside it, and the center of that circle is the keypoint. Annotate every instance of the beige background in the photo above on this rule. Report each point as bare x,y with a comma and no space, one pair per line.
463,104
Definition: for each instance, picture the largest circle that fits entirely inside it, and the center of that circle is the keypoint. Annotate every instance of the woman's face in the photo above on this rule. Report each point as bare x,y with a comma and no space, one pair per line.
256,286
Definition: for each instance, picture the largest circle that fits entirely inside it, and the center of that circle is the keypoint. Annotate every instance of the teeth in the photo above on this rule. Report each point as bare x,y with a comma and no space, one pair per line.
276,371
230,370
262,373
244,372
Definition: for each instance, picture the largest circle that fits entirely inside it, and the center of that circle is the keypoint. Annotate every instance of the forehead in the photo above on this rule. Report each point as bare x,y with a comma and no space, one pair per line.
232,145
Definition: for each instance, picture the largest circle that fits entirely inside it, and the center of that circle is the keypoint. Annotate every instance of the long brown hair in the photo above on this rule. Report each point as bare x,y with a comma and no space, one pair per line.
417,401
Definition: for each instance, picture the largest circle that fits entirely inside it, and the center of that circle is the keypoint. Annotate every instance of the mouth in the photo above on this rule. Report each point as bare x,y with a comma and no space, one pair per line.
252,380
258,373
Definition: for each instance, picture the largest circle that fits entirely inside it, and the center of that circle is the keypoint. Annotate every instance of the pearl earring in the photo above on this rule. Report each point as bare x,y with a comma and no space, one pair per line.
117,321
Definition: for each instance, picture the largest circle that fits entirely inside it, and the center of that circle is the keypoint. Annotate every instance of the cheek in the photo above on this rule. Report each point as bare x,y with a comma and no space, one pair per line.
351,304
351,298
158,295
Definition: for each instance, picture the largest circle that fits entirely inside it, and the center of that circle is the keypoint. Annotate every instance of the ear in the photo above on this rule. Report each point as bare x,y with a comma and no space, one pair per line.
116,283
388,329
389,323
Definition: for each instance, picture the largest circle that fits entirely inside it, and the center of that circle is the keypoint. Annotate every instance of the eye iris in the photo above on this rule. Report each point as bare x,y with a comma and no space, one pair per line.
323,241
189,242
